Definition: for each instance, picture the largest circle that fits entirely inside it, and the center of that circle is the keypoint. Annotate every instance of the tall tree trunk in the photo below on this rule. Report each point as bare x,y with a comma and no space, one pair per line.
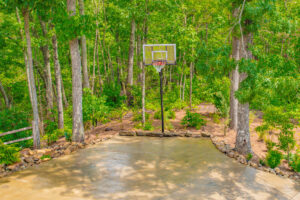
24,52
191,83
78,129
243,143
94,59
86,83
34,104
66,103
234,86
47,70
98,65
6,99
143,66
183,87
131,54
60,109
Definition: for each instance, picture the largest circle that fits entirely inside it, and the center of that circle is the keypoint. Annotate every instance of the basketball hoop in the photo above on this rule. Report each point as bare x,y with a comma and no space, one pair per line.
159,65
160,55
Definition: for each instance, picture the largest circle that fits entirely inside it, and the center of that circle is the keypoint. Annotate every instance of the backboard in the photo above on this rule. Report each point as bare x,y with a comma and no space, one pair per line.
159,52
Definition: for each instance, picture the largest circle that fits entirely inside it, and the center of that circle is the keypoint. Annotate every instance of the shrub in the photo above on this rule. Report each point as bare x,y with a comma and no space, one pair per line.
168,114
249,156
273,158
295,162
137,116
262,162
8,154
193,120
148,126
68,134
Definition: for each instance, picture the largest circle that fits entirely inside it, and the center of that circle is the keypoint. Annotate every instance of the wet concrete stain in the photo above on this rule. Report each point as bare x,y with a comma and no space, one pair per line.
147,168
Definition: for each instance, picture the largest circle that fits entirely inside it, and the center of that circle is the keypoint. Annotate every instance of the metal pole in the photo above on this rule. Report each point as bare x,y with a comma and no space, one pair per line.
161,100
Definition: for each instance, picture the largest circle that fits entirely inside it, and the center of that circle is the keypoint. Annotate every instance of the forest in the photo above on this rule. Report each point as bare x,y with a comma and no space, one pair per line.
70,66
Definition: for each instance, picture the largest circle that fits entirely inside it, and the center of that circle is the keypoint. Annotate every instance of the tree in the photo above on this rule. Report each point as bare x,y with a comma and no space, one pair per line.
78,129
86,83
32,88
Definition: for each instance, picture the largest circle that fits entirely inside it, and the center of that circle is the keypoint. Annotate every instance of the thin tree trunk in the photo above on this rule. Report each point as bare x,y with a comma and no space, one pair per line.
60,109
34,103
86,83
41,114
94,59
78,129
47,71
98,65
66,103
191,83
6,99
234,79
183,87
139,60
24,52
131,54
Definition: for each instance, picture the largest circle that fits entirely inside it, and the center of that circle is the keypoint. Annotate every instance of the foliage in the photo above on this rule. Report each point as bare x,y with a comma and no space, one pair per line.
51,137
249,156
45,157
8,154
193,120
168,114
273,158
295,161
94,108
148,126
137,116
113,97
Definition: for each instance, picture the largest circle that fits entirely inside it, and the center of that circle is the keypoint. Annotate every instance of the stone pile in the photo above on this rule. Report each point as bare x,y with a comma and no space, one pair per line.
29,157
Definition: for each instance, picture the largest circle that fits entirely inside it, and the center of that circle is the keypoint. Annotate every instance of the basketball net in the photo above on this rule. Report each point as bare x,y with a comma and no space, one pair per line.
159,65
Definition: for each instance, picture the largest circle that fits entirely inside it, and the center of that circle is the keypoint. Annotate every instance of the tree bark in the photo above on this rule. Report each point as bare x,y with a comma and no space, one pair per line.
47,70
131,54
60,109
6,99
191,83
86,83
78,129
24,52
94,59
36,132
234,86
243,143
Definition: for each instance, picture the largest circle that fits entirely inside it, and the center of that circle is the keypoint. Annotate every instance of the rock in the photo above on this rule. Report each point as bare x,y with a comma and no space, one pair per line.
231,154
252,164
277,170
204,134
242,159
108,129
46,159
128,133
2,167
14,167
272,171
26,152
29,160
67,151
173,134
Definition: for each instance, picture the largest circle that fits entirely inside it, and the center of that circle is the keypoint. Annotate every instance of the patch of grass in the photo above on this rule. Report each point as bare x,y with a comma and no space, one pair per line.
45,157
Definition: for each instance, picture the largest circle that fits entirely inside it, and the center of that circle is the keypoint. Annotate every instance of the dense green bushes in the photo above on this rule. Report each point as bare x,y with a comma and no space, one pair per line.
8,154
193,120
273,158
